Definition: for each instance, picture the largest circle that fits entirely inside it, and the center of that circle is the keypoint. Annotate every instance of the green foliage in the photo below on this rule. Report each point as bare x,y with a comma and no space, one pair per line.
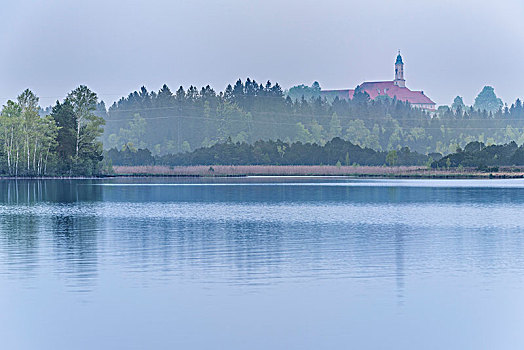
186,147
335,127
88,148
129,156
28,139
458,106
302,91
134,133
248,111
487,100
392,158
477,154
303,134
429,162
62,143
282,153
107,167
281,149
360,96
65,118
68,140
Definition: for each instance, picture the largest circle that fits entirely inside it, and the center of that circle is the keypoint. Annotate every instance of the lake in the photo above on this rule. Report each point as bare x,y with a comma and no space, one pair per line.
261,263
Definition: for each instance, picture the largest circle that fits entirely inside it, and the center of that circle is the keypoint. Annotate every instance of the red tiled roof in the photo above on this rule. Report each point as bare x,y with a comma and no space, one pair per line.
382,88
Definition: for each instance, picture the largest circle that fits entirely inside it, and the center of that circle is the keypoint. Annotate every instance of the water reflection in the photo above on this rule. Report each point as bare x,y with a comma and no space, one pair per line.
399,264
204,263
20,243
254,232
75,246
18,192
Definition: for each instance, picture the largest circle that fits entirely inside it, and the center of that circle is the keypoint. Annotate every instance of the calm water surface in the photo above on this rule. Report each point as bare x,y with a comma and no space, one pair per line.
262,263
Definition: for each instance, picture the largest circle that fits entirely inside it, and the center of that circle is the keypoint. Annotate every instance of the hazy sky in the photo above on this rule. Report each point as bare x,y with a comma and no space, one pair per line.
449,47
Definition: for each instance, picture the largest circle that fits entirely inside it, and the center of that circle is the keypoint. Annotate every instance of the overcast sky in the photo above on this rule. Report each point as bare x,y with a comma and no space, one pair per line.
449,47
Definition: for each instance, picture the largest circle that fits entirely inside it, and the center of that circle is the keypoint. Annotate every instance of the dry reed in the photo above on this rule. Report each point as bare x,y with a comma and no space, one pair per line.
285,170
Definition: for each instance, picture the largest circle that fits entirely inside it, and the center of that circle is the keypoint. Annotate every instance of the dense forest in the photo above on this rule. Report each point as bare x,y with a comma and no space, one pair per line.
167,123
248,123
334,152
66,141
477,154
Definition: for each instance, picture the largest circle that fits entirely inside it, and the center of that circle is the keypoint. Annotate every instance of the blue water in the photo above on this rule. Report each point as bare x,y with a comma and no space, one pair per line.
262,263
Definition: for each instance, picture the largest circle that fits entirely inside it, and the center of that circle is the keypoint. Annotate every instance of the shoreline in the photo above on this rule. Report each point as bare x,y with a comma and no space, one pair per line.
238,171
409,172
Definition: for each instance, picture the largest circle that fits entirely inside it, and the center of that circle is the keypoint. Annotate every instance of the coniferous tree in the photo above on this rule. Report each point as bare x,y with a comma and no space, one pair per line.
65,118
487,100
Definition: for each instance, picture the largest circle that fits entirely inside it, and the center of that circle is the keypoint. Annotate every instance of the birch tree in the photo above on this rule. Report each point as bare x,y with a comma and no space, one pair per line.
10,131
28,103
88,148
28,140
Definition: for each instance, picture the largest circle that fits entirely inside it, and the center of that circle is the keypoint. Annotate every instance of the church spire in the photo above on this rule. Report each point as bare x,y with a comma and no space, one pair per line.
399,72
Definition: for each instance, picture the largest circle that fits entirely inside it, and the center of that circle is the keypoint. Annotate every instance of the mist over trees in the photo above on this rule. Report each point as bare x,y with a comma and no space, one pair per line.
171,122
302,91
179,127
334,152
487,100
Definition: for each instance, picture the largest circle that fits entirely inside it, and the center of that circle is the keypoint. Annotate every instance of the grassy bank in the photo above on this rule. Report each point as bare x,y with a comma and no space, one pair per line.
315,170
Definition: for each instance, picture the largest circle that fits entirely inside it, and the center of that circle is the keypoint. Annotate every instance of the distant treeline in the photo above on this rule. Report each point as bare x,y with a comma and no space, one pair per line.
236,126
334,152
173,122
477,154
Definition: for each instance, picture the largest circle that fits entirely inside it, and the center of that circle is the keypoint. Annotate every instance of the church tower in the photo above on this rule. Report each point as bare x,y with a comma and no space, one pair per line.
399,72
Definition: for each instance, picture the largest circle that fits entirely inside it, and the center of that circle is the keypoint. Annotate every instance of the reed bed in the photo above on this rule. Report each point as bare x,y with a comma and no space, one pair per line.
301,170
